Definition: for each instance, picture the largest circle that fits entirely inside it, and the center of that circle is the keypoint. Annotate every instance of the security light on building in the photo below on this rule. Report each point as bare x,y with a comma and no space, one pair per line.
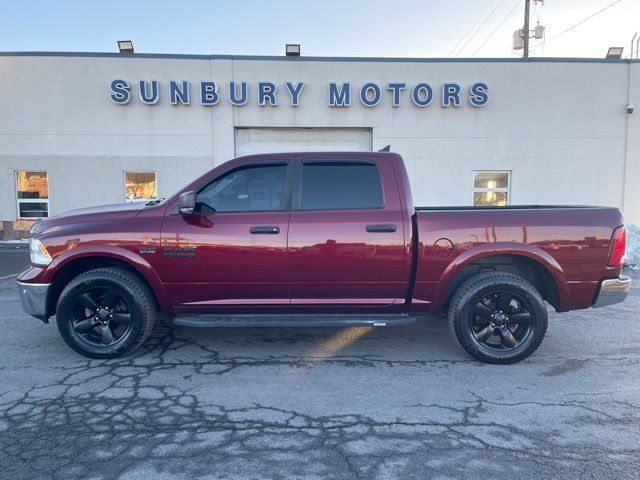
292,49
614,52
125,46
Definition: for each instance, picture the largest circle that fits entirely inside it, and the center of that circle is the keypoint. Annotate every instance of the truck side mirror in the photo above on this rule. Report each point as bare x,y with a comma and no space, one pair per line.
187,203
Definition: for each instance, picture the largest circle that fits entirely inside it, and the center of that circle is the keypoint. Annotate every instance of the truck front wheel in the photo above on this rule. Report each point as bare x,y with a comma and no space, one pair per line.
498,317
105,313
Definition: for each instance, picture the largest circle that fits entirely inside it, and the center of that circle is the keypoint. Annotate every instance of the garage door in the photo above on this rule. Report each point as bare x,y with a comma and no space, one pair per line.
273,140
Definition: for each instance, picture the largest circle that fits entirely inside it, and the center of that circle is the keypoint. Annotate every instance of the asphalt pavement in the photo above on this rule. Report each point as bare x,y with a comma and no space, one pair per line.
13,258
322,403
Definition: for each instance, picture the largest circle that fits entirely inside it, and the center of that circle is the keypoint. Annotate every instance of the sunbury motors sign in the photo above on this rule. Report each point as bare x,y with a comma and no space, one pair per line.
209,93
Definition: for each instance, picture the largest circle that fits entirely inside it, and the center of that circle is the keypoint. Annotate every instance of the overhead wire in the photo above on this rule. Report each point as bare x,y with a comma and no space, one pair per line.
479,28
586,19
472,26
498,27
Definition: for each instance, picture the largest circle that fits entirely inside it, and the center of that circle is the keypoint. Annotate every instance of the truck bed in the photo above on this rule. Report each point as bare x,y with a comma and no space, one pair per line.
571,242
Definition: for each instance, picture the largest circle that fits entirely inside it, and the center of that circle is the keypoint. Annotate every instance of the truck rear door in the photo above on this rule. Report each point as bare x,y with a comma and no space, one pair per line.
346,248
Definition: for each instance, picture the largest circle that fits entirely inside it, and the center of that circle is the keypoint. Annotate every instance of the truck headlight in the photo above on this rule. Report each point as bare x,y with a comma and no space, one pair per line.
39,254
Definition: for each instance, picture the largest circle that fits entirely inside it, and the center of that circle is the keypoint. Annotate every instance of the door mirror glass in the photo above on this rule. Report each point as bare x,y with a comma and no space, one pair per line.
187,203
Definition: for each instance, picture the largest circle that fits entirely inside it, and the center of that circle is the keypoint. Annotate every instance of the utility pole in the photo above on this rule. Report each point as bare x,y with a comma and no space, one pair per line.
525,51
522,36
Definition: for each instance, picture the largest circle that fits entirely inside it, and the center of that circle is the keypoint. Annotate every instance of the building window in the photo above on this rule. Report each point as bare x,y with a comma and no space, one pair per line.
491,188
140,186
33,194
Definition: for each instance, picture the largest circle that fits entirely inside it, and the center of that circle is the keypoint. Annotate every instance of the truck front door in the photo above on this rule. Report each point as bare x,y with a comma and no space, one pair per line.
230,254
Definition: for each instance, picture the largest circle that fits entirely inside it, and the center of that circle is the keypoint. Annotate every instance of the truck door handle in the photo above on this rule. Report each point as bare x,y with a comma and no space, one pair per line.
270,230
381,228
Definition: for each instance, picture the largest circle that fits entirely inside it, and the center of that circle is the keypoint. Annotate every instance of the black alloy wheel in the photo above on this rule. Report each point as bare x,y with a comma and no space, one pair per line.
498,317
502,320
105,313
101,315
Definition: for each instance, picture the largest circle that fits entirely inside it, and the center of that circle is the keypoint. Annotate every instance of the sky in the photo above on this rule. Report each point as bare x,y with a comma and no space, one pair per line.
370,28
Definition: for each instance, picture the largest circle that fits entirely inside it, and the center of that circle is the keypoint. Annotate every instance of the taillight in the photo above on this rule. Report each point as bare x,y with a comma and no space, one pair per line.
618,246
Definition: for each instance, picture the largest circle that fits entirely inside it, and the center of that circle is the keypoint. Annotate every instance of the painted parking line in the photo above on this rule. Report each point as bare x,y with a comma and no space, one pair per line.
9,276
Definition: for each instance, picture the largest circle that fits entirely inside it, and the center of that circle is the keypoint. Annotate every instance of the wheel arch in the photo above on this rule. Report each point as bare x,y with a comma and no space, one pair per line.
527,261
70,266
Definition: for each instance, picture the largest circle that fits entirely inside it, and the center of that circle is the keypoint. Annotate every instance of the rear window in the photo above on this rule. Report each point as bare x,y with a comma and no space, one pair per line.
340,185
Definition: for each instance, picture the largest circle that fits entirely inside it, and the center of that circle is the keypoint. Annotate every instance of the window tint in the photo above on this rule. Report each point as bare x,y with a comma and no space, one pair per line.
339,185
245,189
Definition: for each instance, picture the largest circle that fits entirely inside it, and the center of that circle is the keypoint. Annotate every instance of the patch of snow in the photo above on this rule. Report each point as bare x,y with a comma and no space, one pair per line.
632,255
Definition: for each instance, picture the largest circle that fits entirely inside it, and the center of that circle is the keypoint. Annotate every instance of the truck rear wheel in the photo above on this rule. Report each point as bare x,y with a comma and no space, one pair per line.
498,317
105,313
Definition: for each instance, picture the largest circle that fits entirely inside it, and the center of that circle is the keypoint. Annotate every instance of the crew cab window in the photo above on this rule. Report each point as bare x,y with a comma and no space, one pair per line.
245,189
340,185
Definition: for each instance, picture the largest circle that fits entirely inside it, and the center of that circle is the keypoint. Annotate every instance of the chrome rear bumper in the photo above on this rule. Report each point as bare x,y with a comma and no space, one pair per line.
613,291
33,297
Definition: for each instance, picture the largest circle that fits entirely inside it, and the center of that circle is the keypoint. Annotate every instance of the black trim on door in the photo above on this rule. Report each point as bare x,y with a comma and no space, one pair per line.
266,230
381,228
289,184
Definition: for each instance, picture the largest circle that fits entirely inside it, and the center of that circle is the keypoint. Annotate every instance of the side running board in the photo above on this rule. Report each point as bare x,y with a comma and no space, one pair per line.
203,321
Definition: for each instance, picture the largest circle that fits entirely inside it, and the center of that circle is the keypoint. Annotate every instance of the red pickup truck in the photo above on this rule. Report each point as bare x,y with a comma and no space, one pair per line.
319,239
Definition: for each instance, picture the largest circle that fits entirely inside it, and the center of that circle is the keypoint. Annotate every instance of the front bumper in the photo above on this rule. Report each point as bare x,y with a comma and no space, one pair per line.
34,299
612,291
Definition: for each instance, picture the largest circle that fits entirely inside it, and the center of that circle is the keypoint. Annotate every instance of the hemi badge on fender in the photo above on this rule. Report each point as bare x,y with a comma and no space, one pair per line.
147,249
180,252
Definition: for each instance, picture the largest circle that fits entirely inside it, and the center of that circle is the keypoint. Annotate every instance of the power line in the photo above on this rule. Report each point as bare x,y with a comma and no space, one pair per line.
472,26
588,18
498,27
479,28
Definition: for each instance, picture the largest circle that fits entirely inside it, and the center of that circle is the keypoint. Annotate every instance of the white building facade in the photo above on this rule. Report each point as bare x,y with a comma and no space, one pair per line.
80,129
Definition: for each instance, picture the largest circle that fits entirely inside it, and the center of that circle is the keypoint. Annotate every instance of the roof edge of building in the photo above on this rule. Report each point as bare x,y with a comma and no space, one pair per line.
181,56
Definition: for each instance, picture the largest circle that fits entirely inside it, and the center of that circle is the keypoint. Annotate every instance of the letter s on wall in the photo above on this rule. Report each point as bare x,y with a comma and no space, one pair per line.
120,93
478,94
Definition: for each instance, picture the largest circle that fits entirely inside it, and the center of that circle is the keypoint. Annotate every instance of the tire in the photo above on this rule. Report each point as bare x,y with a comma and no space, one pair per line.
105,313
498,317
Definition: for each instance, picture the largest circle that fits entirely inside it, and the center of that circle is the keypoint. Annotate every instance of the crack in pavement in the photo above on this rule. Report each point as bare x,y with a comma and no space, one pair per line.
107,434
128,423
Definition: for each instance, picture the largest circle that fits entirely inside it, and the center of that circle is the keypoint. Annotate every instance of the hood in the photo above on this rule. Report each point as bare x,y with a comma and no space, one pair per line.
113,208
89,214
